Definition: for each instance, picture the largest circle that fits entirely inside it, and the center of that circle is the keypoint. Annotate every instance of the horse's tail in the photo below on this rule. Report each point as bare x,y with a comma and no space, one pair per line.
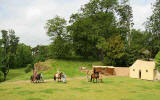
55,77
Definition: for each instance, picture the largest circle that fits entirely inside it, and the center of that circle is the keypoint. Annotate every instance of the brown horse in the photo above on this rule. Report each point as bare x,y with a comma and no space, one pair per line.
95,76
58,77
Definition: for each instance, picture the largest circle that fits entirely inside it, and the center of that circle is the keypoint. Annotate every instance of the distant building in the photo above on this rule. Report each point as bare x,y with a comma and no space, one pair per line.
112,71
144,70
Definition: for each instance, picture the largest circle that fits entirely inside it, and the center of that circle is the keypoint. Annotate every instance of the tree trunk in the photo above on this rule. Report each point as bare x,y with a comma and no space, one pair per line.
101,56
5,76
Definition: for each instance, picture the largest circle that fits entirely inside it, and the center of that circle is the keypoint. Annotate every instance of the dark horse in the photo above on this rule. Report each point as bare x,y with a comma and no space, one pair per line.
58,76
94,76
39,78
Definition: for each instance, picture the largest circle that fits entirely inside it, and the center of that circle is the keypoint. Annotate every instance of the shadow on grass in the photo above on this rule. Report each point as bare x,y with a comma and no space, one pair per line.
17,88
34,99
80,89
50,91
25,92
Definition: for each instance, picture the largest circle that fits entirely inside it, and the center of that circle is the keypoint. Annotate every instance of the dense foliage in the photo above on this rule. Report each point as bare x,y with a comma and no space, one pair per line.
153,26
102,29
157,60
56,30
13,54
1,76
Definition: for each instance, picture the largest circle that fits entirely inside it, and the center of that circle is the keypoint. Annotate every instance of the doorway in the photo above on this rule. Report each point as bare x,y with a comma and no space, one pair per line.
139,74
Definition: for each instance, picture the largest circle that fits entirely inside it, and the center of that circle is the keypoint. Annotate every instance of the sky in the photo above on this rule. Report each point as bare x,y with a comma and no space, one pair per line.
28,17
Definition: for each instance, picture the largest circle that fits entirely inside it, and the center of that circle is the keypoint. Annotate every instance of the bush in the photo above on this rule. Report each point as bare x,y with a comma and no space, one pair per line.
1,76
157,60
28,68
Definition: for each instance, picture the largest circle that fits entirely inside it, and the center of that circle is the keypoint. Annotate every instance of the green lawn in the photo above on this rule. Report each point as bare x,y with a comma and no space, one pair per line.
113,88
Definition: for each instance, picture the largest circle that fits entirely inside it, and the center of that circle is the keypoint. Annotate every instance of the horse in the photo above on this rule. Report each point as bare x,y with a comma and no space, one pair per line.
58,76
39,78
95,76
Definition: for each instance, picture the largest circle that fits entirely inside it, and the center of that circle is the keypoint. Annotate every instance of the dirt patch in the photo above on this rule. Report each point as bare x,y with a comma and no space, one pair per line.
42,66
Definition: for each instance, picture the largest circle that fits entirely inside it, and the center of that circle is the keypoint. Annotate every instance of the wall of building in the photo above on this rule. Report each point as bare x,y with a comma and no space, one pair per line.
147,73
157,75
134,72
121,71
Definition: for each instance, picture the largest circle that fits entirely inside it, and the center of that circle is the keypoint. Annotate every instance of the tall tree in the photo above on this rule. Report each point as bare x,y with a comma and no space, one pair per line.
96,22
56,29
40,53
153,26
9,44
13,40
114,51
4,62
24,55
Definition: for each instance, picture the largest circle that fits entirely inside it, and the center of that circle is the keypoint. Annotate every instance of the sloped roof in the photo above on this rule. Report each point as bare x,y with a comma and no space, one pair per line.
146,64
103,67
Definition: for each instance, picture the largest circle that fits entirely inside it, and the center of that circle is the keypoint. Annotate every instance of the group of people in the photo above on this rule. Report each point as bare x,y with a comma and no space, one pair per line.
62,76
59,75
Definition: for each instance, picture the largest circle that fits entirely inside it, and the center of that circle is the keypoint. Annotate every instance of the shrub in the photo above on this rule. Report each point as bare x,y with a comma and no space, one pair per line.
28,68
1,76
157,60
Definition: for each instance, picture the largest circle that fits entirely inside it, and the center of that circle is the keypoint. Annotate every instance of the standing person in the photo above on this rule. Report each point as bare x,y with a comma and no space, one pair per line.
58,71
64,78
100,77
88,75
35,74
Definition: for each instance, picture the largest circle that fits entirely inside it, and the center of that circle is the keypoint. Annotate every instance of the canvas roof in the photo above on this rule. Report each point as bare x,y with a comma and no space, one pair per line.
142,63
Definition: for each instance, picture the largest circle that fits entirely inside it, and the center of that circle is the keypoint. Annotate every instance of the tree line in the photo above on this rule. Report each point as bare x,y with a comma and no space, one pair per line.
103,30
100,30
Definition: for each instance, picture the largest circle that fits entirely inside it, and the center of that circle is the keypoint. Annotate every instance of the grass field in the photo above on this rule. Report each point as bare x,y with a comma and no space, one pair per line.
77,88
113,88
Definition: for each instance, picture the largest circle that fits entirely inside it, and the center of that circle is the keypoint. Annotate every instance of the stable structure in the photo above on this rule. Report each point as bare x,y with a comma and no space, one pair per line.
144,70
106,70
114,71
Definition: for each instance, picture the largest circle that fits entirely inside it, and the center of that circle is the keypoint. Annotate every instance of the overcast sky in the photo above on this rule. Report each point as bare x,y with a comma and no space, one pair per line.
28,17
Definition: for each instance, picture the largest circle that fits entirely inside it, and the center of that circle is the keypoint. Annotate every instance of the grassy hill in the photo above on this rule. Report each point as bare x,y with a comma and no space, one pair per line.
69,67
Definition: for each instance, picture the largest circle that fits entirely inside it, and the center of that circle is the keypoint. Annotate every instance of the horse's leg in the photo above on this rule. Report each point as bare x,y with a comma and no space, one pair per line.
91,79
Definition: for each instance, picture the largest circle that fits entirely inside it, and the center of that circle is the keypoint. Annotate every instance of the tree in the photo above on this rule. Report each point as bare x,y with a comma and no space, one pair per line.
139,47
40,53
153,26
96,22
4,62
60,48
8,47
13,41
24,56
114,51
157,60
56,29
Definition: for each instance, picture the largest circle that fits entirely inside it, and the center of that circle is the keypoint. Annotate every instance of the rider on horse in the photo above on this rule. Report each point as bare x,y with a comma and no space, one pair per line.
35,74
